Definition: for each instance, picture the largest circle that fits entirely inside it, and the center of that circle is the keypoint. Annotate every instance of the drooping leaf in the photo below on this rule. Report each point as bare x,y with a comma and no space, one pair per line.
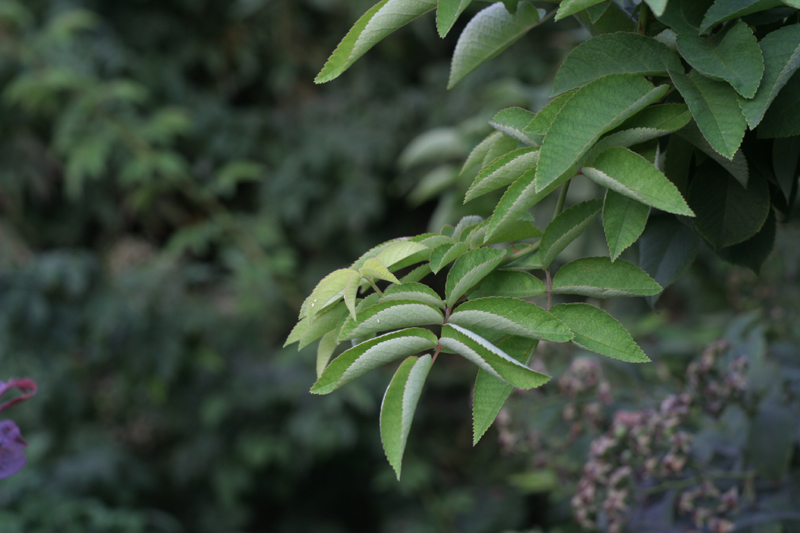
732,55
667,249
510,284
489,357
598,277
736,166
522,228
447,13
490,392
398,252
445,254
624,220
532,261
566,227
468,270
512,316
382,19
325,349
372,354
593,110
490,32
413,291
780,119
328,291
599,332
502,171
539,125
657,6
398,406
685,16
724,10
512,122
727,213
351,292
375,269
569,7
716,112
786,163
392,314
614,53
781,51
754,251
631,175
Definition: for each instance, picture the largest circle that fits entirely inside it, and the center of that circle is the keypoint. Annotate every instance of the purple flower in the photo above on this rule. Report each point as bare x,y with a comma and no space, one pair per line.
12,446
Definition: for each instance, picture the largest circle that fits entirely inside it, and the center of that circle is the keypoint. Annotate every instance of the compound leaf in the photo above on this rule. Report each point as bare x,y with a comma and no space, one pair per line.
445,254
412,291
375,269
598,277
624,220
392,314
468,270
566,227
503,171
512,316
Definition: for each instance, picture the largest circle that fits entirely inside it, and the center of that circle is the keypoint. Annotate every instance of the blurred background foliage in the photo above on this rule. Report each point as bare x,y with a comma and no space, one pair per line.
172,184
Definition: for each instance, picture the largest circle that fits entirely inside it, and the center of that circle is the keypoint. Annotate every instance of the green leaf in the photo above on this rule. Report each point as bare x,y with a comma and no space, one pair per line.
478,154
613,19
614,53
468,270
510,284
372,354
714,107
416,274
398,252
771,441
350,293
328,291
520,197
445,254
723,10
665,117
413,291
512,316
667,249
780,119
568,7
322,323
727,213
598,277
398,406
539,125
392,314
786,163
678,161
754,251
522,228
502,171
325,350
490,32
595,109
624,220
447,13
781,51
596,11
373,252
566,227
375,269
631,175
597,331
732,55
490,358
491,393
657,6
382,19
512,122
297,332
685,16
532,261
463,224
736,166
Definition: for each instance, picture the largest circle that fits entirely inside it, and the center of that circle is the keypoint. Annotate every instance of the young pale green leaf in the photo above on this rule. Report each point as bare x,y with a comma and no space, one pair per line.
392,314
685,16
398,252
667,249
522,228
732,55
382,19
491,393
519,197
325,349
328,291
614,53
657,6
374,251
598,277
781,51
569,7
468,270
413,291
781,117
502,171
429,241
489,357
478,154
727,213
595,109
624,220
465,222
512,122
512,316
322,323
297,332
724,10
510,284
715,109
565,228
736,166
350,293
490,32
532,261
754,251
416,274
631,175
539,125
398,406
445,254
597,331
447,13
375,269
372,354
